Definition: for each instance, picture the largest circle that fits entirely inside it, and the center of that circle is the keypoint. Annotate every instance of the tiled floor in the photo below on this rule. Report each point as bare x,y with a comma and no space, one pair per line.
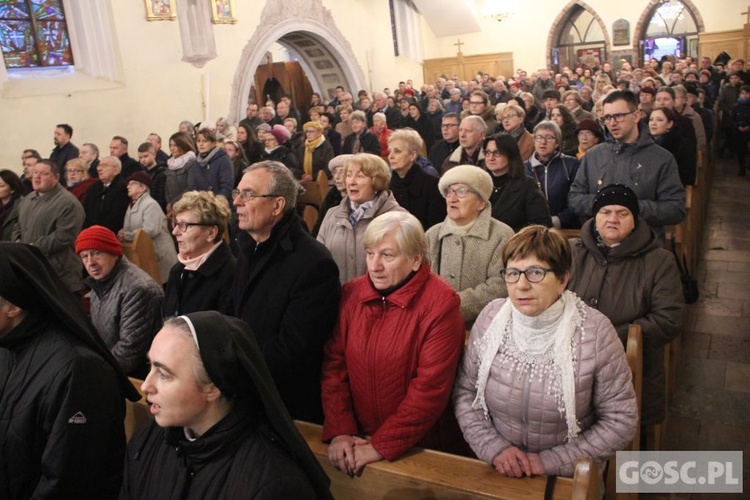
711,405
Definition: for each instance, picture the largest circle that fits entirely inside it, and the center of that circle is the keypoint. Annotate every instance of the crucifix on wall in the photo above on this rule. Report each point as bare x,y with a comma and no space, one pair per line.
746,14
459,43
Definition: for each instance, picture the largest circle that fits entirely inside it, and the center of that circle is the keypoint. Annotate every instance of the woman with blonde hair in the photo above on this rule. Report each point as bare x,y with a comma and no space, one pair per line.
367,180
202,279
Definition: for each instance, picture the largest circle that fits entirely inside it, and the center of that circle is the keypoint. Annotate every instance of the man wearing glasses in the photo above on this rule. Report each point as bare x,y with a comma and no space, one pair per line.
471,134
443,149
632,159
286,285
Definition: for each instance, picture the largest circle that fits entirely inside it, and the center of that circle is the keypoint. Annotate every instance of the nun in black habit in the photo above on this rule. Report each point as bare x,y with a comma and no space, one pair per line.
220,429
62,394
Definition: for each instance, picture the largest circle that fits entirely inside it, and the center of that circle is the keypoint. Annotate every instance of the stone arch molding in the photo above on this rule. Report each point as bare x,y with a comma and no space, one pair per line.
308,28
559,24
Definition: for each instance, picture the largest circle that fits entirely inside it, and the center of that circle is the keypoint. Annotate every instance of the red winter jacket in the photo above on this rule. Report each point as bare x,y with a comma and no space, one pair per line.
389,368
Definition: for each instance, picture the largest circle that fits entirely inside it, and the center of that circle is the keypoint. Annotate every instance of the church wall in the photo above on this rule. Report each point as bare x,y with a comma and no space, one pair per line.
525,33
158,90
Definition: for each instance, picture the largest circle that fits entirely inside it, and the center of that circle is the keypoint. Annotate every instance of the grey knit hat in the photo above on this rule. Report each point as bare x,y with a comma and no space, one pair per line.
474,177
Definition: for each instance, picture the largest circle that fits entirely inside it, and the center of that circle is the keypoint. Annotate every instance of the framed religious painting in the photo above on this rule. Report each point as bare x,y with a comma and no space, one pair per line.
222,12
160,10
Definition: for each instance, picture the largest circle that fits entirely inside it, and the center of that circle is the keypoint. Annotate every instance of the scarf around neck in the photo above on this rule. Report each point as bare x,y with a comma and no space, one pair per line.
541,345
359,211
205,159
177,163
310,146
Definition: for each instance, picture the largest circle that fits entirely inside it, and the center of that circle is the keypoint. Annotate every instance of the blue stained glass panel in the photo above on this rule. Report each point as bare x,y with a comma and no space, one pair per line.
48,10
14,9
18,45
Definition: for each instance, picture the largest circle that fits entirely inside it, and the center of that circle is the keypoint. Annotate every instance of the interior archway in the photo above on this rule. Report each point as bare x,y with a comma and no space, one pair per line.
308,30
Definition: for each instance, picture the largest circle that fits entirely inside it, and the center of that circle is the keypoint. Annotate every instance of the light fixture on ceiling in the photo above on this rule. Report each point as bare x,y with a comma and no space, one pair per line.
499,10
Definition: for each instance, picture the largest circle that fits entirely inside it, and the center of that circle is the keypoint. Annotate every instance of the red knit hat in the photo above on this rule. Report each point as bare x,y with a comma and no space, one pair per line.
98,238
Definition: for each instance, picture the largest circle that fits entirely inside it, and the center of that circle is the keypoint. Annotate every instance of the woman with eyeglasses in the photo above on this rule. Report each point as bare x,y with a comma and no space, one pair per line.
620,270
367,178
466,248
544,380
202,278
78,179
554,173
515,198
512,119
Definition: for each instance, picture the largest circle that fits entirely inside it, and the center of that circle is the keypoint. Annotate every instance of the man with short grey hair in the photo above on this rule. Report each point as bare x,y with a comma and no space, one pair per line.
286,286
90,153
471,134
107,199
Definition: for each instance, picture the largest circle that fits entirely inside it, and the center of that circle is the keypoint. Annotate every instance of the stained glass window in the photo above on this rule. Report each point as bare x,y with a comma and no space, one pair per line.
33,33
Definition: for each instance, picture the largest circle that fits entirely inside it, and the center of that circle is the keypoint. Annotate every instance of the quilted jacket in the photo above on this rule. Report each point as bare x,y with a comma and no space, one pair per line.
523,411
389,368
126,311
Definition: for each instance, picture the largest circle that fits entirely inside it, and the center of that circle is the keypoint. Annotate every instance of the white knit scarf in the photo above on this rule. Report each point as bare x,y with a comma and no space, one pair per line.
526,342
177,163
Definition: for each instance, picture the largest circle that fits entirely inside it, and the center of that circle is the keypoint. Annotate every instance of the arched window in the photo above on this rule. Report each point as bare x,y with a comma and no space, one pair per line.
34,33
581,41
671,30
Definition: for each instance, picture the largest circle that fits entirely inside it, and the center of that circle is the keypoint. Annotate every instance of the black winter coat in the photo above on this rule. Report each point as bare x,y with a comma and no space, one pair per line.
284,155
418,193
107,206
684,152
61,416
368,143
237,458
520,204
287,289
208,288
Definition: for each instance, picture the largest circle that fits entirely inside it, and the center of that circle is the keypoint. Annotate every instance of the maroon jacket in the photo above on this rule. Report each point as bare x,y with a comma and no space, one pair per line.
389,368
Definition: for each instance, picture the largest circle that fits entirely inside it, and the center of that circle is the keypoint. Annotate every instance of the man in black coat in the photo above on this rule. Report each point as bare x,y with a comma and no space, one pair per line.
64,149
119,148
108,199
360,140
286,286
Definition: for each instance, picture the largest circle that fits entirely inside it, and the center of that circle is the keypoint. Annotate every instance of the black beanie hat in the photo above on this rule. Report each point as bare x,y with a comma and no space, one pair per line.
616,194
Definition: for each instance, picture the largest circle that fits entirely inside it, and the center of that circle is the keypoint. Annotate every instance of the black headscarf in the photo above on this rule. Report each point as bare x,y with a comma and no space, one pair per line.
28,281
235,364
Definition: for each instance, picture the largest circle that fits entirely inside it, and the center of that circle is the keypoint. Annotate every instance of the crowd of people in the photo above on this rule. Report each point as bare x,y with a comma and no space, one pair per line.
441,217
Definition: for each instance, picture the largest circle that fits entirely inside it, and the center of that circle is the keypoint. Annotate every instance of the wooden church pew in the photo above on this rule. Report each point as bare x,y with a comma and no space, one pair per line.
432,474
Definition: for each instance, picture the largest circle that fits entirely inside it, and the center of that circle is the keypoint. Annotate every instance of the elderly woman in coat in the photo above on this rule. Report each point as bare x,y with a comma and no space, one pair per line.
466,248
544,379
145,213
367,179
389,367
619,269
202,279
413,188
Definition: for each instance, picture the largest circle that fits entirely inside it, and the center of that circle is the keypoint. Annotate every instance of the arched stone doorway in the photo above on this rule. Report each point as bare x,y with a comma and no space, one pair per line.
306,28
578,34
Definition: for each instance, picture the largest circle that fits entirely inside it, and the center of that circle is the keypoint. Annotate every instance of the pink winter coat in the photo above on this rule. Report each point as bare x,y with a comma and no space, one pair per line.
388,370
524,412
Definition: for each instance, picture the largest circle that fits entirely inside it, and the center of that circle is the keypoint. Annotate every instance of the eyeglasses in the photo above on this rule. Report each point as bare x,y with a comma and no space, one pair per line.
544,138
534,274
476,103
249,195
449,125
461,192
492,153
618,117
184,226
510,116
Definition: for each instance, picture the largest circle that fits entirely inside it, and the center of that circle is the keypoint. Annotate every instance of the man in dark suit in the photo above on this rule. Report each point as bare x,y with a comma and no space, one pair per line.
119,148
64,149
286,286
